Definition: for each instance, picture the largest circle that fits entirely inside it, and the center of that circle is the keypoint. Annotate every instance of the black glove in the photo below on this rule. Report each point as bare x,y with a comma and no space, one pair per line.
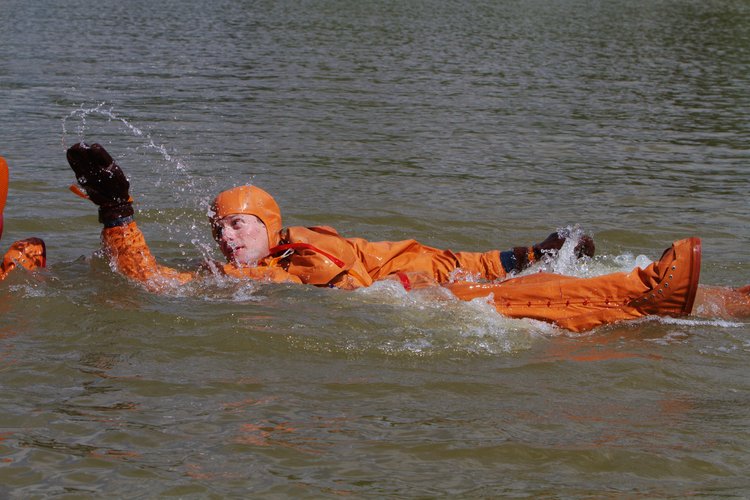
555,241
519,258
103,180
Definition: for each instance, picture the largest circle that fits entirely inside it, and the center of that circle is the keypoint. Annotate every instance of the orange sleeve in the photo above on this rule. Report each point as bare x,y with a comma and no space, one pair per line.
268,273
383,258
130,255
486,264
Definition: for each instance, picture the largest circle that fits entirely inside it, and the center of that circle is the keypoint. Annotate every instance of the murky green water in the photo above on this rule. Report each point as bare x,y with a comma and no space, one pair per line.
468,125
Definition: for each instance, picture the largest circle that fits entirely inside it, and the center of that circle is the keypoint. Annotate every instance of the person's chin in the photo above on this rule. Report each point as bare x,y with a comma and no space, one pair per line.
240,259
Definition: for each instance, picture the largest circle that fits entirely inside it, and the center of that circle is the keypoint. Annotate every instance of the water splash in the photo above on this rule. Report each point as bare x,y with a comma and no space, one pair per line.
432,320
718,323
627,261
82,113
566,262
180,224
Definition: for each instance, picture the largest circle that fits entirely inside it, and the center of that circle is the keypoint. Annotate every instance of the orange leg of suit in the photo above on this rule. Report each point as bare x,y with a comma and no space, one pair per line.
666,288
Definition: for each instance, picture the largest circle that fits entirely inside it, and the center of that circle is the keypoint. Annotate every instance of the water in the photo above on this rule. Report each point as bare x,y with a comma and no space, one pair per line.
465,125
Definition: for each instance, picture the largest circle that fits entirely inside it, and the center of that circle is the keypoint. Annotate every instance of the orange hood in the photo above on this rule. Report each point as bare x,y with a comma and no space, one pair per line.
249,200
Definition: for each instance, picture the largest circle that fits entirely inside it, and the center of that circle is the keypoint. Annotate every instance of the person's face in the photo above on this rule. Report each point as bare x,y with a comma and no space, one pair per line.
243,239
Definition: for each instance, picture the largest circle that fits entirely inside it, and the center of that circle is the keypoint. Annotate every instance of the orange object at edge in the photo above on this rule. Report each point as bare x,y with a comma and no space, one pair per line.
3,190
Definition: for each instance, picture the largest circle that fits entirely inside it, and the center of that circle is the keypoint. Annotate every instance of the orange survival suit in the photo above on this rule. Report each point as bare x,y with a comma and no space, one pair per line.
310,255
320,256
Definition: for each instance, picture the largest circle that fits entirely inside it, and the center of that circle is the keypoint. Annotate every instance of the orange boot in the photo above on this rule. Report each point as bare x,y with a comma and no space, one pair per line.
666,288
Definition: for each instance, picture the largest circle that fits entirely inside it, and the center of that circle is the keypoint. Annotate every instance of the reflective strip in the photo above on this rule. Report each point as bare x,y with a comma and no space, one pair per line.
404,280
120,221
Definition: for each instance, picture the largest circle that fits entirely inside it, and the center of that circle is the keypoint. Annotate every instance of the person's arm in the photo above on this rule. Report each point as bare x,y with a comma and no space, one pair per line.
128,252
106,185
385,258
495,264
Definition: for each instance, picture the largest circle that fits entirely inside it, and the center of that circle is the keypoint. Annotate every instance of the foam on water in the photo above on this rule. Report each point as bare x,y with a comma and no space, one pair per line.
27,290
718,323
565,261
434,320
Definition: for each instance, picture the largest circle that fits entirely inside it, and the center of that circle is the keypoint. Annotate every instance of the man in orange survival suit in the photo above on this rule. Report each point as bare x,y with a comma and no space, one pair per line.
247,226
28,253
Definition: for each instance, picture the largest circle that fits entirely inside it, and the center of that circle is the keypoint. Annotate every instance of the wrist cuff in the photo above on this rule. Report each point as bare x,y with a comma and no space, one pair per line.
120,221
508,261
114,212
517,258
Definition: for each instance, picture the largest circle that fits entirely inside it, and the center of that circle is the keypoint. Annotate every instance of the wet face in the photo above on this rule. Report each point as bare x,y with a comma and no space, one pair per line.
243,239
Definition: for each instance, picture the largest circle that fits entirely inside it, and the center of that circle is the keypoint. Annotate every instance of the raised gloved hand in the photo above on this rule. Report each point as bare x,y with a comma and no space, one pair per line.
519,258
103,181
